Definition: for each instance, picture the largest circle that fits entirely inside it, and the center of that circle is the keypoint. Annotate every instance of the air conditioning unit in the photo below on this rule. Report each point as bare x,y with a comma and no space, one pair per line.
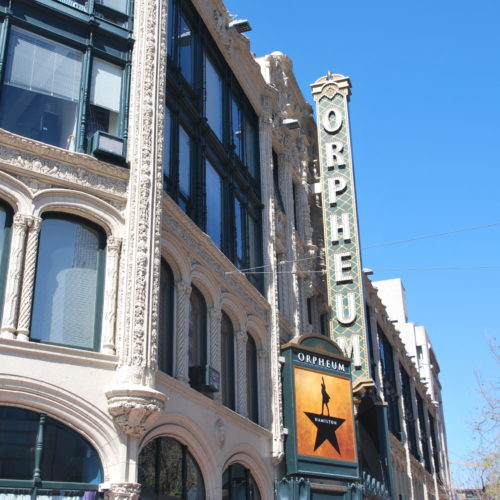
102,143
204,378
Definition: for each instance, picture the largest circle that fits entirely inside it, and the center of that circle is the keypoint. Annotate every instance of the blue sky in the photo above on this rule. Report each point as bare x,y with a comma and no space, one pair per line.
424,119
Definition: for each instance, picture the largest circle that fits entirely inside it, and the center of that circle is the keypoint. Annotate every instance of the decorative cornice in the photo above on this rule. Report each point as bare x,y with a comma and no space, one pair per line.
42,164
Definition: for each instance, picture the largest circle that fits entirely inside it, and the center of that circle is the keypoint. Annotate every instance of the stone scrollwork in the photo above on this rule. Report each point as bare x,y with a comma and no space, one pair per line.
123,491
133,410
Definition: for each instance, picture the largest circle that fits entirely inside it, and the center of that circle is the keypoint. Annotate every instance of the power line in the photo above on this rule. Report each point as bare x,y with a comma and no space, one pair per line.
449,268
435,235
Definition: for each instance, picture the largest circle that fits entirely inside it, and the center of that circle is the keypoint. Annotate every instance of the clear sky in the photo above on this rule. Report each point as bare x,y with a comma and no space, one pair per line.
425,111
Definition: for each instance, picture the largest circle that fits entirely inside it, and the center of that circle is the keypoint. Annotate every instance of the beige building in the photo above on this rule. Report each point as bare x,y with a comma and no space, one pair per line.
160,238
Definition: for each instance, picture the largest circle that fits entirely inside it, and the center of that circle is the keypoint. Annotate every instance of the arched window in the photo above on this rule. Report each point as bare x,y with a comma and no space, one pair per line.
252,381
238,484
5,232
168,471
227,362
166,320
197,338
67,302
39,455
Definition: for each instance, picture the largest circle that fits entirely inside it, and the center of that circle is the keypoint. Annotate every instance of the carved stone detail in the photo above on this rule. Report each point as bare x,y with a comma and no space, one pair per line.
112,264
183,291
241,379
27,290
215,316
123,491
220,433
13,285
133,408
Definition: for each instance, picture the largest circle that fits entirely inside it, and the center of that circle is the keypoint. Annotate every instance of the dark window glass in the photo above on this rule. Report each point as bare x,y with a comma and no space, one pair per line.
227,362
238,484
213,98
435,449
185,146
167,131
67,300
5,235
166,320
408,410
66,457
41,89
205,170
277,191
239,219
213,204
252,380
167,471
171,29
389,383
44,84
424,438
186,51
197,329
236,132
254,250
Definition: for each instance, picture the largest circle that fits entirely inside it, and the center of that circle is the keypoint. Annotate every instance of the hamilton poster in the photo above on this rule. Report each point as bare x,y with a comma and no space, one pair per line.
323,413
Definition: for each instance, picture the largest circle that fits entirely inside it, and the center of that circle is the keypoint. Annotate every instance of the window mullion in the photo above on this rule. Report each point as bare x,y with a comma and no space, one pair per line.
83,104
37,480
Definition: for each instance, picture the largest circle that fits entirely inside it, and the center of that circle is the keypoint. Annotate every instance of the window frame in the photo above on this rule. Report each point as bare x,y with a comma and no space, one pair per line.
100,278
71,27
185,103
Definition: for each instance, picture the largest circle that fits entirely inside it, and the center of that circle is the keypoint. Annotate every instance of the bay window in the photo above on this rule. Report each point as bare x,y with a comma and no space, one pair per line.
68,91
211,150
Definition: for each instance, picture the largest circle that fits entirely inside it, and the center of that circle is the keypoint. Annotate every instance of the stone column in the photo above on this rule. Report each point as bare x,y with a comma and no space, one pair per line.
183,291
28,284
132,400
112,264
241,372
14,277
214,341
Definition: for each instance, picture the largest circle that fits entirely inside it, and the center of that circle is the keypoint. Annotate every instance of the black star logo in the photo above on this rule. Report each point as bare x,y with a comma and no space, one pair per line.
326,429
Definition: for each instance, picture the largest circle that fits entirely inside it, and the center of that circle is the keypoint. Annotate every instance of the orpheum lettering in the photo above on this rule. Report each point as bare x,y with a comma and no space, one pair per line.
321,361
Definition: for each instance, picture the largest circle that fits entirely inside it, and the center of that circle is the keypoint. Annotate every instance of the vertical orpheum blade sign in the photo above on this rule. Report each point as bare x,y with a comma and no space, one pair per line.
342,250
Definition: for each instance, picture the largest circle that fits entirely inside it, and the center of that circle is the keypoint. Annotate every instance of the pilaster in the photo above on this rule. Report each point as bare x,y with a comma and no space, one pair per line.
112,264
183,292
14,278
241,379
27,287
215,317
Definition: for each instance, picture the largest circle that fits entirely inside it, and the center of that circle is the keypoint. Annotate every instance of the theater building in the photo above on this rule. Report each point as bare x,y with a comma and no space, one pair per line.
162,252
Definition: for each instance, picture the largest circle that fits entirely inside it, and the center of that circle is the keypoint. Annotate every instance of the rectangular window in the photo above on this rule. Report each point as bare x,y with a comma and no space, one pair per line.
41,89
186,52
213,98
236,128
184,168
250,148
105,97
240,234
45,97
167,128
214,204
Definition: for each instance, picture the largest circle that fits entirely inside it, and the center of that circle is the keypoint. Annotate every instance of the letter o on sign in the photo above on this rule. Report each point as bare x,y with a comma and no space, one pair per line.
329,124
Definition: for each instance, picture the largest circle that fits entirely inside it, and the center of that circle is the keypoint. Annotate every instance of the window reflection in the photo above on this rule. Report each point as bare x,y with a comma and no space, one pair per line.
184,168
168,471
213,204
68,286
236,137
213,98
197,329
238,484
166,320
186,50
5,235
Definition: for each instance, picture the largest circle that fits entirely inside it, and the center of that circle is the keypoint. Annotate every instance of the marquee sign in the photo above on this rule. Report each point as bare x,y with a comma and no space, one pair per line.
342,251
318,409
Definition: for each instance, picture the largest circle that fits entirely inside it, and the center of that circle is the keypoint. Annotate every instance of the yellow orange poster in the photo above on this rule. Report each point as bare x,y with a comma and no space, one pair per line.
323,415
